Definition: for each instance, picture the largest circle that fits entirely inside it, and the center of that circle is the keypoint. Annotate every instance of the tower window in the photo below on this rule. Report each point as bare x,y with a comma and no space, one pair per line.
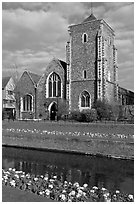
84,74
84,38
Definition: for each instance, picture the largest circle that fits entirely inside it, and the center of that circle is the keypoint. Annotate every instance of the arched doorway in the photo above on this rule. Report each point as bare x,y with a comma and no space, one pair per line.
53,111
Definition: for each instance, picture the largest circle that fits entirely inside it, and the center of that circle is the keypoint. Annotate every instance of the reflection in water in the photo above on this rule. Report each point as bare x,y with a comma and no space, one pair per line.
102,172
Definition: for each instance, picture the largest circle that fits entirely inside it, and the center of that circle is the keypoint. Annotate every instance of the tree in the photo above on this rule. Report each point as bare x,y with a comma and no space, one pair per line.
115,110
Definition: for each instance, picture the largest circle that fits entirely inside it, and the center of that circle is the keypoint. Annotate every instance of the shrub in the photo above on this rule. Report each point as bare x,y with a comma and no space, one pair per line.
90,115
104,110
75,115
84,115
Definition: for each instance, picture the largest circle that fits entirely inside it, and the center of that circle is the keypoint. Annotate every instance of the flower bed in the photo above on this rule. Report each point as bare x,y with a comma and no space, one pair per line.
51,187
77,134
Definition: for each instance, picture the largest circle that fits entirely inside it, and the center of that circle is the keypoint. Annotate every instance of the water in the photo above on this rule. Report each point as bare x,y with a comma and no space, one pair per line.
102,172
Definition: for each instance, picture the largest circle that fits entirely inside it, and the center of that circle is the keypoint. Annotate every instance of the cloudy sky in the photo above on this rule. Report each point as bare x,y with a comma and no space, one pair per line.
33,33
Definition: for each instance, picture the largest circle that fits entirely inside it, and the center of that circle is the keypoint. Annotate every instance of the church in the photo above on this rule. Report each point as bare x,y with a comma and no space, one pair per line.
90,73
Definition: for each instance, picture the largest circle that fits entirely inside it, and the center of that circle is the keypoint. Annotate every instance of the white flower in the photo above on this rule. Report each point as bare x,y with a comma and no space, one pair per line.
50,186
63,197
117,191
54,177
69,200
130,196
35,179
10,169
46,178
106,195
72,193
107,199
5,177
16,175
104,189
92,191
47,192
84,194
78,195
12,183
41,192
51,180
85,185
76,184
95,187
80,192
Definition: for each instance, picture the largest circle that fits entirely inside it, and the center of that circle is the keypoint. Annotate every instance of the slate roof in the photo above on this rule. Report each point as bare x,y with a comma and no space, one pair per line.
35,77
5,80
90,18
63,64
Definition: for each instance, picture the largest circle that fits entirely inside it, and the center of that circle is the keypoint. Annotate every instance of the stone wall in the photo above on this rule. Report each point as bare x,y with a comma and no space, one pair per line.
77,88
43,101
23,87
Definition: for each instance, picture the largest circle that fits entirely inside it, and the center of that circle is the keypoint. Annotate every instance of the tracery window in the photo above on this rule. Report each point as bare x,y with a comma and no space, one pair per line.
27,103
85,99
54,85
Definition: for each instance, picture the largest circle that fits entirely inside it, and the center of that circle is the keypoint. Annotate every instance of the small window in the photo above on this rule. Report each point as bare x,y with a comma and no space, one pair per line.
84,38
84,74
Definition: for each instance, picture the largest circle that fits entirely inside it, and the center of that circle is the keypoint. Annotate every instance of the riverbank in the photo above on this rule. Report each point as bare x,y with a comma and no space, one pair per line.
110,140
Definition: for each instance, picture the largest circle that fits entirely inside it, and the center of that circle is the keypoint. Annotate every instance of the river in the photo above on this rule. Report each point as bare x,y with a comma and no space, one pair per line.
112,174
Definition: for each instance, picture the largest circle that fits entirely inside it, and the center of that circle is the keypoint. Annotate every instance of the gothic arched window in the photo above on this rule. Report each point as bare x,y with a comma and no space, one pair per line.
27,103
85,99
54,85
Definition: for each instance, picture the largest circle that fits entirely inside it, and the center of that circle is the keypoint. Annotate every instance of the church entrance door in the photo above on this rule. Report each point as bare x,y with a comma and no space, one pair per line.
53,111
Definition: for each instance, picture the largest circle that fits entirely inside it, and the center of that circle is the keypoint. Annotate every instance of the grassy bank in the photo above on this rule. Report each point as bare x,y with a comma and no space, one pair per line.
114,140
10,194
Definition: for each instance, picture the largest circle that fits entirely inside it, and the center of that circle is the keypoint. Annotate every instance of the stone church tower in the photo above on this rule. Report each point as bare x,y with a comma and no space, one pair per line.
91,59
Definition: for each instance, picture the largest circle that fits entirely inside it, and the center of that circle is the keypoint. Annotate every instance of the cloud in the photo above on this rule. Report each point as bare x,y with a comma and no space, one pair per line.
33,33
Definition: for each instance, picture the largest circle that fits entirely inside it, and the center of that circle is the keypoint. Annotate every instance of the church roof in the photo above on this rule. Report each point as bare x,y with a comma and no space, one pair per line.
5,80
63,64
35,77
90,18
